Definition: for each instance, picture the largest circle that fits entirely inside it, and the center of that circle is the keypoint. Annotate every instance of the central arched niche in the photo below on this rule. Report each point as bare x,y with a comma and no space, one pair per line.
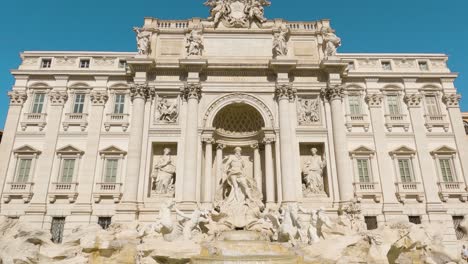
238,120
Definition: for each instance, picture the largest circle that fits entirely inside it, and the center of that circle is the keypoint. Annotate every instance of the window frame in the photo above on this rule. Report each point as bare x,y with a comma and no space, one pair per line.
75,103
112,153
405,153
364,153
49,65
436,104
82,60
359,98
397,101
447,153
33,102
122,104
18,169
68,152
410,168
24,152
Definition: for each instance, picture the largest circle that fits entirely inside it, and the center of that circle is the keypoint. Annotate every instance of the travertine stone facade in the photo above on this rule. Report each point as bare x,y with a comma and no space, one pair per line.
96,134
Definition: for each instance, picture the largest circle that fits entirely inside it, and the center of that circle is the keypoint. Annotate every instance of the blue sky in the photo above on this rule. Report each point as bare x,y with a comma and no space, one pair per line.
106,25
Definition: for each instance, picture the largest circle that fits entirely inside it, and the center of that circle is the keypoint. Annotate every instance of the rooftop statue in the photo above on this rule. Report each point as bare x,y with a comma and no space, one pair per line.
237,13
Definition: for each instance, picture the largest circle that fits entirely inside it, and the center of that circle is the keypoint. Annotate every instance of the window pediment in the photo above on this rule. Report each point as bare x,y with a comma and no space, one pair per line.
362,151
403,150
70,150
444,150
112,150
26,150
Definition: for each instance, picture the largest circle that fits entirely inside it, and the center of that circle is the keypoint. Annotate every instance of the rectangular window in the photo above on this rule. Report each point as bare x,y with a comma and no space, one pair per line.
354,104
457,220
84,64
371,222
104,222
68,170
423,66
78,106
393,105
56,229
38,103
24,170
432,107
119,104
446,170
46,63
415,219
122,64
386,66
111,171
363,170
405,170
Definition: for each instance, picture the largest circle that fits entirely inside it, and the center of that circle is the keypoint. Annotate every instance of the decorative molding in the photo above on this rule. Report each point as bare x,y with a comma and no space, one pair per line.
191,91
452,100
58,98
17,97
413,100
333,92
142,91
99,98
285,91
374,100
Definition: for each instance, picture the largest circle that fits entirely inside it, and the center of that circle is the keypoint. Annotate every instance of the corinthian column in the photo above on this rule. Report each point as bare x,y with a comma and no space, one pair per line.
285,93
191,92
139,92
334,94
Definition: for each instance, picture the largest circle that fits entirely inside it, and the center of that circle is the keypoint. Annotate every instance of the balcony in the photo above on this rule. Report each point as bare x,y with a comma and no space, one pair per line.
407,190
66,190
108,190
75,119
34,119
400,120
436,121
366,190
453,190
121,120
357,121
18,190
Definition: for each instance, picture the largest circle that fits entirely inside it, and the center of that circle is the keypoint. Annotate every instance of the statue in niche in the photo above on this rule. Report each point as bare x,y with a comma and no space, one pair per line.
143,40
255,10
313,174
194,43
309,111
219,9
167,111
280,43
164,174
331,42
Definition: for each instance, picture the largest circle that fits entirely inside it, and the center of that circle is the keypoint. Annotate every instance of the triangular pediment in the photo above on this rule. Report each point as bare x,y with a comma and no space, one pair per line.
403,150
362,150
444,150
26,149
69,149
112,150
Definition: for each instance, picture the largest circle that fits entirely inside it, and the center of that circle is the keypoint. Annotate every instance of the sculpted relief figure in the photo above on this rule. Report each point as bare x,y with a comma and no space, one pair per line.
163,174
313,174
255,10
192,222
331,42
219,10
280,43
167,111
194,43
143,40
309,111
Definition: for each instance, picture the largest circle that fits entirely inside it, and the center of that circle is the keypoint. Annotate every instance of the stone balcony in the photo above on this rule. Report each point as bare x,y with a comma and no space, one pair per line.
121,120
34,119
23,190
108,190
405,190
366,190
392,121
65,190
357,121
453,190
75,119
436,121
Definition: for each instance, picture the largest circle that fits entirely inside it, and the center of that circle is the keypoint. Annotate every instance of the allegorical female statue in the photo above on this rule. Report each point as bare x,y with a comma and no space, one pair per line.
313,173
143,41
163,174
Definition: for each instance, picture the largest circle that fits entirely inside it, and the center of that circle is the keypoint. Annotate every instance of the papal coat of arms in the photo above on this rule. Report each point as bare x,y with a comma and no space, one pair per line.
237,13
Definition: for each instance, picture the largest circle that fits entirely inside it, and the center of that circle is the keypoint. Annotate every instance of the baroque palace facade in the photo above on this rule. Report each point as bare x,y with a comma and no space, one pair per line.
110,136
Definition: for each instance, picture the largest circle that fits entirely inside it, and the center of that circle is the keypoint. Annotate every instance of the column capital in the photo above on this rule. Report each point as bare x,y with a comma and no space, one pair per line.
268,140
220,146
333,92
413,100
452,100
208,140
99,97
255,146
191,91
285,91
17,97
141,90
58,98
374,100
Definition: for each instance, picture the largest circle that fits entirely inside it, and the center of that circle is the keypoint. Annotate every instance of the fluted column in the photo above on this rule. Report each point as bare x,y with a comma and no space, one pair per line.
208,177
219,162
284,94
257,166
269,171
140,92
191,92
334,93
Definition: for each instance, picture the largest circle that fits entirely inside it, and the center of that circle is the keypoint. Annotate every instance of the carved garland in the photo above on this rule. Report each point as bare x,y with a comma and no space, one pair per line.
413,100
58,98
285,91
452,100
17,98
